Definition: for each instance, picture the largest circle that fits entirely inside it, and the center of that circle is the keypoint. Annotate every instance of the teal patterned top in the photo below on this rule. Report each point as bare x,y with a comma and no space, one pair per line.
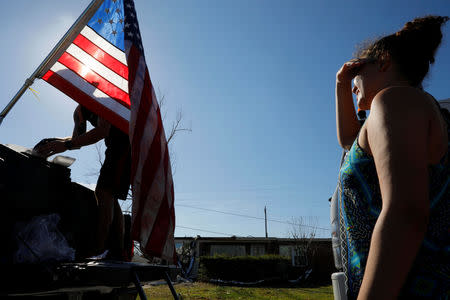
360,205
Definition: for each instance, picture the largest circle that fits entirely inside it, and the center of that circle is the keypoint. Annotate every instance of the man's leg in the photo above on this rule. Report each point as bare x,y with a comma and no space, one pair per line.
110,187
105,204
117,233
110,226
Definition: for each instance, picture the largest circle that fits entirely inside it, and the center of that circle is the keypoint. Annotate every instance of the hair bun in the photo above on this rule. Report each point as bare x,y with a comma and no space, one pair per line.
423,35
412,48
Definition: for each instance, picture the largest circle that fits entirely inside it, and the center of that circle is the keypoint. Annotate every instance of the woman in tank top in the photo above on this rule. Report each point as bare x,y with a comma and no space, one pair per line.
394,195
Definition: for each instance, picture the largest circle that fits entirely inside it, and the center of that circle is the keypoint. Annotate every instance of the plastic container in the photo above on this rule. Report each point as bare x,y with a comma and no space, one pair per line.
335,240
339,290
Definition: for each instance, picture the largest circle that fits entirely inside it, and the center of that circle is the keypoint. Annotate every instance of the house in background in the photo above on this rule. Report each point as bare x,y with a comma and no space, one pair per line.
315,253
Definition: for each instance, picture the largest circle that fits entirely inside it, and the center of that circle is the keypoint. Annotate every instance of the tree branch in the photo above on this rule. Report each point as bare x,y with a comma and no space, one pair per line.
176,126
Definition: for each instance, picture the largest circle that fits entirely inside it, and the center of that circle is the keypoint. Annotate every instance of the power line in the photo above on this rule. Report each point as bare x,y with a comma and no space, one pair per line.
222,212
205,230
251,217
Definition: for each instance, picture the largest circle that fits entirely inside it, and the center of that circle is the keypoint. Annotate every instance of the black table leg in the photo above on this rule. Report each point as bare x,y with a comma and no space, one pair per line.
138,285
169,283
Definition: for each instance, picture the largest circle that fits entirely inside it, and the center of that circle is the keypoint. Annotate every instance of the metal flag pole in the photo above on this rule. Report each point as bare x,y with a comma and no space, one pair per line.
54,55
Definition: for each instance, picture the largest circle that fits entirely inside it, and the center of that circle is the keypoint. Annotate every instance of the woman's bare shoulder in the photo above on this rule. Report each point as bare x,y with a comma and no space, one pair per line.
402,99
396,111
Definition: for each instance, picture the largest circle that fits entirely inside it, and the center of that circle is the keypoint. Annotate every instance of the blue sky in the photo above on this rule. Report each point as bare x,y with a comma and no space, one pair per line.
254,80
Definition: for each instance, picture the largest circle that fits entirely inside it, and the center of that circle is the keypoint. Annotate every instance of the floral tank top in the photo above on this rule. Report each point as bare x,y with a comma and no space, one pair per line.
360,205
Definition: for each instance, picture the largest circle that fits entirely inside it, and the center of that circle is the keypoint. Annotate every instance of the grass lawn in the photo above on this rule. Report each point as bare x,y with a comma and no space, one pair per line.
206,291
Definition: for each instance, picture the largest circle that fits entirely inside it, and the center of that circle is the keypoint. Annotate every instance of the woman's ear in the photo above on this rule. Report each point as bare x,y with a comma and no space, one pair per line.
384,63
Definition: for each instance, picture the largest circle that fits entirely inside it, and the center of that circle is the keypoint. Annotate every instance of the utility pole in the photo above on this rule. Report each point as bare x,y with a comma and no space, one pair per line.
265,218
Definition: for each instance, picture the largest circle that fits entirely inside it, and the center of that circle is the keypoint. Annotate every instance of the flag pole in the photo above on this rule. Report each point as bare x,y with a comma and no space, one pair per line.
53,56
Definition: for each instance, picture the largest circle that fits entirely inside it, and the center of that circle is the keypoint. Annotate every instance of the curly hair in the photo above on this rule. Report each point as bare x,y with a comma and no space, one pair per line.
412,48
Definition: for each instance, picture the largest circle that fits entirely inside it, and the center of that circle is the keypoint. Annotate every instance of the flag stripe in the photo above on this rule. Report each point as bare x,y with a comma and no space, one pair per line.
109,48
136,90
96,94
141,119
142,150
158,236
170,243
149,133
134,59
160,229
98,68
138,167
151,167
104,108
101,56
93,78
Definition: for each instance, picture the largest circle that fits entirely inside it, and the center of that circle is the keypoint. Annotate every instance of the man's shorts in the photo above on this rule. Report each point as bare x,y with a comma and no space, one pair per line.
116,171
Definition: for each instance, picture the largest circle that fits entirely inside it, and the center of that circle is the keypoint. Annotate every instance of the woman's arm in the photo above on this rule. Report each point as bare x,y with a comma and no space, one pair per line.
398,140
347,123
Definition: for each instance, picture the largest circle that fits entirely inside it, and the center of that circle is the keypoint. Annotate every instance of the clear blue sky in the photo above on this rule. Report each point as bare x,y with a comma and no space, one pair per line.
255,82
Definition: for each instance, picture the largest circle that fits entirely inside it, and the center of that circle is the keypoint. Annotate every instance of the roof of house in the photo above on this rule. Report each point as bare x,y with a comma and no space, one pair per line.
249,239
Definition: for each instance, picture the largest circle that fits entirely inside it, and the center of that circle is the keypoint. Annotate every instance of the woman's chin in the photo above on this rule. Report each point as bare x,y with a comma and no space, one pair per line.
362,105
359,105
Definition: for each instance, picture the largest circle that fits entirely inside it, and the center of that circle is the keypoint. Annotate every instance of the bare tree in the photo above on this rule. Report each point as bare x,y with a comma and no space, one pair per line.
176,126
303,232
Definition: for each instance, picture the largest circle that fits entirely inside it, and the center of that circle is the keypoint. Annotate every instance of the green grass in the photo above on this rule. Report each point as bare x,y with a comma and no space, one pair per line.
206,291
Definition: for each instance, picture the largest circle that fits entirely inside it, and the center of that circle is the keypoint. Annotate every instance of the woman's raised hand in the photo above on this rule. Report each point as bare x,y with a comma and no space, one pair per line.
349,70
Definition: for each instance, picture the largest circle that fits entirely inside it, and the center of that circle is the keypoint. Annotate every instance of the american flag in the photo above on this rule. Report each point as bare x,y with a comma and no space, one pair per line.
104,69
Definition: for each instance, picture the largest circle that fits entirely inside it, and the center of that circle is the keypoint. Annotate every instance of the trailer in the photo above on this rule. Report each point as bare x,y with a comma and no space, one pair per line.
35,189
83,280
